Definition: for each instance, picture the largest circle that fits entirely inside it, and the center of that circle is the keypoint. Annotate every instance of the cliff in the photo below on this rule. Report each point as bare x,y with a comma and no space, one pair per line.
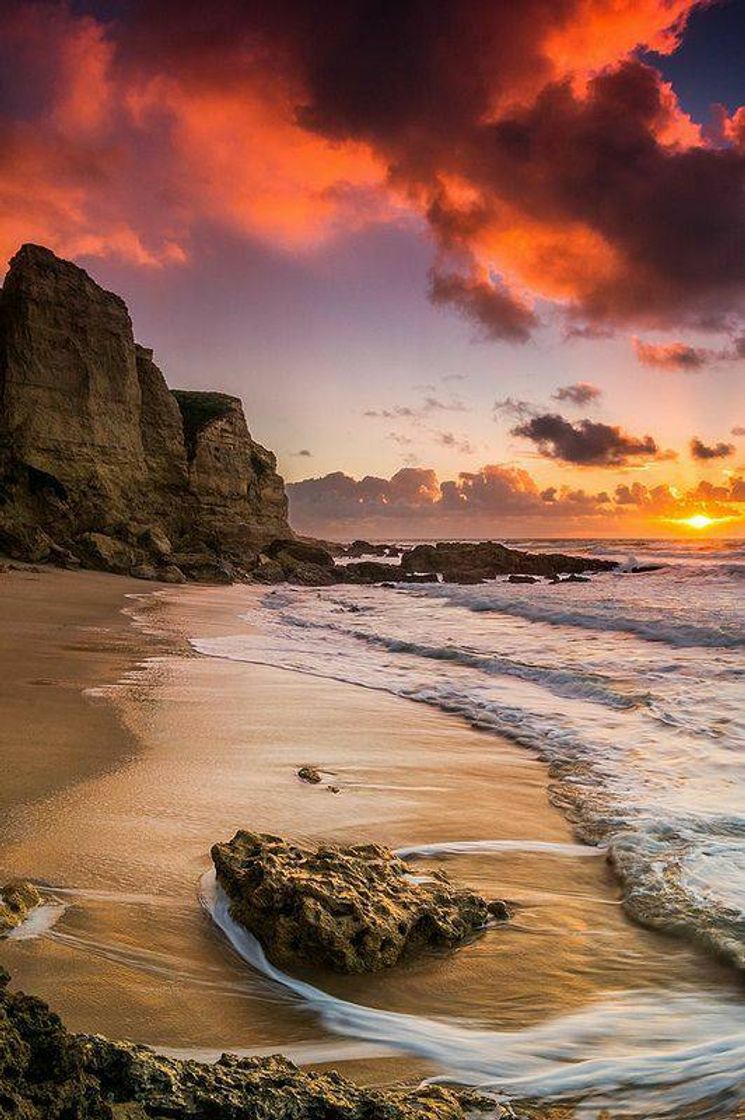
100,463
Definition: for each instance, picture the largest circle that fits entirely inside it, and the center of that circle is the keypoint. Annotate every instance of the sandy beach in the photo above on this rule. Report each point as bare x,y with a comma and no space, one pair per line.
128,756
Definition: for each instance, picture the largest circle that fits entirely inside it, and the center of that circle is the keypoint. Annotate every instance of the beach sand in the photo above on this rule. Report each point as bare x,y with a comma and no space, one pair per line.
116,794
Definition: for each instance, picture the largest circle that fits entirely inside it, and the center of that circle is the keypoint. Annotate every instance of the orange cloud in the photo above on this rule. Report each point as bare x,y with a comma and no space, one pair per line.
548,163
497,498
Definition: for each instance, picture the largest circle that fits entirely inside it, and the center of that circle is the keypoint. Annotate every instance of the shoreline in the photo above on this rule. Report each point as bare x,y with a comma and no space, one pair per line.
64,635
197,747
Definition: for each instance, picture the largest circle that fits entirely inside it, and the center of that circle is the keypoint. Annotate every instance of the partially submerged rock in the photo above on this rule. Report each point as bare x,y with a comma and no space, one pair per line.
351,909
270,1088
17,899
468,562
46,1073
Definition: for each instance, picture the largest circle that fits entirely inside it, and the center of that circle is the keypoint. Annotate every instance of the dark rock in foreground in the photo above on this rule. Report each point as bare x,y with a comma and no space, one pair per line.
353,909
466,562
46,1073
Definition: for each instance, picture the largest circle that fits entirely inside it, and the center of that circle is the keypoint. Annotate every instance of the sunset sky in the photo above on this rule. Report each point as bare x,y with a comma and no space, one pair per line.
481,263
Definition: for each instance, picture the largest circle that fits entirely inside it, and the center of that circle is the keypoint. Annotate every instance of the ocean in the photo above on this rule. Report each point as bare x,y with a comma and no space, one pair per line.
632,688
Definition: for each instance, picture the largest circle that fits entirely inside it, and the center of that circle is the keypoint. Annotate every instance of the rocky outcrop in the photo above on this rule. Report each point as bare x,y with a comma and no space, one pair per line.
241,498
355,909
17,899
465,562
46,1073
100,463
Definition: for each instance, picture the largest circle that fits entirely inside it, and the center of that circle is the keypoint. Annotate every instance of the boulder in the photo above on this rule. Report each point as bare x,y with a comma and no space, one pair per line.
369,571
303,552
203,567
364,548
268,571
155,541
47,1073
522,579
17,899
24,542
172,574
144,571
107,553
307,575
351,909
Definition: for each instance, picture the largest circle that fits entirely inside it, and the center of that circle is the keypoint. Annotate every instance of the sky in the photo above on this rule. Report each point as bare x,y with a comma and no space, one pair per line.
475,268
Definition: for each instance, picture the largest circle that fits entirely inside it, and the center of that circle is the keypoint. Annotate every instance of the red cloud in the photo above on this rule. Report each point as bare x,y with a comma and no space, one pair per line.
671,356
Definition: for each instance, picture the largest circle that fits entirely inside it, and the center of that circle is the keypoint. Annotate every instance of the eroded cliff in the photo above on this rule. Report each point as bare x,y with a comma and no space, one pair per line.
100,463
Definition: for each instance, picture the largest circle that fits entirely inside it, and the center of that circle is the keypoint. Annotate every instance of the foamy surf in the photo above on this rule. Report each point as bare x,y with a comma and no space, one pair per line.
39,922
490,847
643,1054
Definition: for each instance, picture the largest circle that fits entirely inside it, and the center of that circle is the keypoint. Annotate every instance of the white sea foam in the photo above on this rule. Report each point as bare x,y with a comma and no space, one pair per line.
488,847
647,1054
39,922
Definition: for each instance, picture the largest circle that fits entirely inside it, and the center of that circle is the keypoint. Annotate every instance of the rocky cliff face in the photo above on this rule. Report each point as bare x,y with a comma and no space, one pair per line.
100,463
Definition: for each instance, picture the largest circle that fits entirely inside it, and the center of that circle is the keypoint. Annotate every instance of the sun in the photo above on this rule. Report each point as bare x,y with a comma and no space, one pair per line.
698,521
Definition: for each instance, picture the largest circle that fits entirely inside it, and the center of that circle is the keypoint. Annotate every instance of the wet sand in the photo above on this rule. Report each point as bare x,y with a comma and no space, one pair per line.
116,798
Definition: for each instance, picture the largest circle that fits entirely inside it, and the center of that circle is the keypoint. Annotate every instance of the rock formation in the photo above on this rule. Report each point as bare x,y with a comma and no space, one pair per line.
464,562
102,465
46,1073
17,899
354,909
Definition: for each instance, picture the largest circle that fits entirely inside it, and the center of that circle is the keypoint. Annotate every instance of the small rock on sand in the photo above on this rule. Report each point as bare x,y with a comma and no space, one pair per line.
309,774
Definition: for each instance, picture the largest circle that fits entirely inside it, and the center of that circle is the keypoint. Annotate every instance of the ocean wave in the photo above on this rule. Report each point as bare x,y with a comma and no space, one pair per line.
489,847
38,923
660,628
562,681
643,1054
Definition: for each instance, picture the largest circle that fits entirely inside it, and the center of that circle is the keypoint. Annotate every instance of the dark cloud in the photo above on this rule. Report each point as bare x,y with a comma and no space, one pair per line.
581,392
303,453
514,406
395,413
434,404
408,412
672,355
738,430
703,451
549,163
496,313
401,439
454,443
588,331
586,443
